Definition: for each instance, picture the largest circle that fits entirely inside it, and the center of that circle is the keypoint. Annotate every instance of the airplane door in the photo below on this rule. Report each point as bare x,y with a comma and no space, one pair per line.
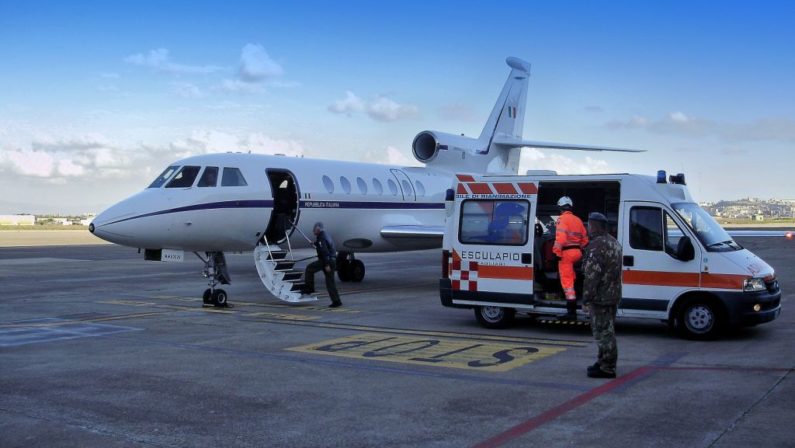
284,190
652,275
404,183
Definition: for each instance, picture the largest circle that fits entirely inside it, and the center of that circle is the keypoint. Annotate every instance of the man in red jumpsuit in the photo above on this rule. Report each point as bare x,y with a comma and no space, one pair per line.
570,238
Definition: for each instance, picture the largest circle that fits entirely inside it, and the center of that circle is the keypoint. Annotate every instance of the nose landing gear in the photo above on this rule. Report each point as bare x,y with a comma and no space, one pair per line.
215,270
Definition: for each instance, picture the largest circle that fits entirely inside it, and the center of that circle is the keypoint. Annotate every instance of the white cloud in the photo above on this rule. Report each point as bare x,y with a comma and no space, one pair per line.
160,60
535,159
203,142
187,90
458,112
385,109
27,162
780,129
391,156
348,105
379,108
238,86
256,65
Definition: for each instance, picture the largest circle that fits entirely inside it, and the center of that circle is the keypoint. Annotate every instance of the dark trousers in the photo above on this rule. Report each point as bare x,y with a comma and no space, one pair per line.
331,285
603,326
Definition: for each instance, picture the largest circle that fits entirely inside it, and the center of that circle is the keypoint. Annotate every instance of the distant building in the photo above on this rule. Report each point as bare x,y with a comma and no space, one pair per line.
61,221
17,220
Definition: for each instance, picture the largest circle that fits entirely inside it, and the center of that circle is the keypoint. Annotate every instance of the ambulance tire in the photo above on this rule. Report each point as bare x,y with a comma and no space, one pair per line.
494,316
700,319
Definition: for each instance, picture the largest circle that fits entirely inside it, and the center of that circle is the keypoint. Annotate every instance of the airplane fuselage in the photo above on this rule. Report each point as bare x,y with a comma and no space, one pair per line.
354,200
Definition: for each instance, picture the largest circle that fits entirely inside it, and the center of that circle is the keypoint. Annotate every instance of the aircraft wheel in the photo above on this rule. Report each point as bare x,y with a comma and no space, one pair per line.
207,296
356,270
494,316
220,298
343,267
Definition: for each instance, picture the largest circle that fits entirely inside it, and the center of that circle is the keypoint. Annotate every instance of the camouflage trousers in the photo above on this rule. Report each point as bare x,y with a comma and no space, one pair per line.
603,326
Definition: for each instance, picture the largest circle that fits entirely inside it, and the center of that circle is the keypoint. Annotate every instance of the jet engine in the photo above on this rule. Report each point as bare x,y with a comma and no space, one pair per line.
427,144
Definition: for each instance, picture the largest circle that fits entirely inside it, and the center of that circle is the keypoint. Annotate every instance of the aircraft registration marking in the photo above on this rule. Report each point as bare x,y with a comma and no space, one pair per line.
486,356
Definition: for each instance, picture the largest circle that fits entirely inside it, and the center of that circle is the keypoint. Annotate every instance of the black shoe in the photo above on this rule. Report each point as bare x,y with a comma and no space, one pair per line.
599,373
595,366
335,305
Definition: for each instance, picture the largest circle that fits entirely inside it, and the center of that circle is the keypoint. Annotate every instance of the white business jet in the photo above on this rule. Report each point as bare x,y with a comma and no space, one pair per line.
234,202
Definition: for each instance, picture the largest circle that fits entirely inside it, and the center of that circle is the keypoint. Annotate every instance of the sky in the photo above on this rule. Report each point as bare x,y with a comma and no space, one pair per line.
96,98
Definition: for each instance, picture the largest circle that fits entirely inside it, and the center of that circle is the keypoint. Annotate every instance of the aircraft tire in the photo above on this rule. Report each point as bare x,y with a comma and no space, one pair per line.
207,297
220,298
356,270
343,267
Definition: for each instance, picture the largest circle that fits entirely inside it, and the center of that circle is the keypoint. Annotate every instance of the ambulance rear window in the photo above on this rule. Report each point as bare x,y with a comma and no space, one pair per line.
490,222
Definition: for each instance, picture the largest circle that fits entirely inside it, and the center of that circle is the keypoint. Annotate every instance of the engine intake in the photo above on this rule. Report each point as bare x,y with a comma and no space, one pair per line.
425,147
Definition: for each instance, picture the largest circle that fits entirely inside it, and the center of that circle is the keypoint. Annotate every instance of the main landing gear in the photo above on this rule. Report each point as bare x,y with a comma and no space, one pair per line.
349,269
215,270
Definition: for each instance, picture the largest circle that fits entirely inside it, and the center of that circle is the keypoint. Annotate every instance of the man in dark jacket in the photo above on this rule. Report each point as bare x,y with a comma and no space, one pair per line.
326,262
602,292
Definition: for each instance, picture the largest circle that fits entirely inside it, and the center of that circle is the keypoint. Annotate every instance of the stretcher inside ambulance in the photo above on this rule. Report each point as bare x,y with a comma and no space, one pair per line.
679,265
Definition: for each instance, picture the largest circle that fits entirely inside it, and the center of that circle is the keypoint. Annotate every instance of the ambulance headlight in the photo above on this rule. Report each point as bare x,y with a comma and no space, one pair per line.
757,307
754,285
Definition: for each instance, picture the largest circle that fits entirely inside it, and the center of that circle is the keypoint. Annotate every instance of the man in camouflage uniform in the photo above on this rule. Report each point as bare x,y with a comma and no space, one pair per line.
602,292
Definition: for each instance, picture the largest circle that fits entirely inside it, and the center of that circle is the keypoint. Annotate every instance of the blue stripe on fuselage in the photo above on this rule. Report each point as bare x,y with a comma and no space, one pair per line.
302,204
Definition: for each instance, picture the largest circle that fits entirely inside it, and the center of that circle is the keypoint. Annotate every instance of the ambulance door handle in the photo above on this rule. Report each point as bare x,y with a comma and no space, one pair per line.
527,258
629,260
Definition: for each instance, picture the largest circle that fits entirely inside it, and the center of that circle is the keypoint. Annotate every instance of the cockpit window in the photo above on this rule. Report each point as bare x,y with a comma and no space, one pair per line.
233,178
184,177
164,176
209,177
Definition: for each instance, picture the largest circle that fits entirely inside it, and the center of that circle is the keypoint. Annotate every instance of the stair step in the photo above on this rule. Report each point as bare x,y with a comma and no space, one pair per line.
297,286
284,265
290,276
277,255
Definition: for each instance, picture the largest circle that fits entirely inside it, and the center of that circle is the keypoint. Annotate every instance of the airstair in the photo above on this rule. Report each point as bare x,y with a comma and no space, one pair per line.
276,268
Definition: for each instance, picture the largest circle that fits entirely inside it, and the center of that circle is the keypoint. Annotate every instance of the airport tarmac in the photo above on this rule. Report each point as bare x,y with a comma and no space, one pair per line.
100,348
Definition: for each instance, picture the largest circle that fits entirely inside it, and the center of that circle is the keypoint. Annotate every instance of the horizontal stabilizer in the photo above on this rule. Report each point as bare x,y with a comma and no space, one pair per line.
510,142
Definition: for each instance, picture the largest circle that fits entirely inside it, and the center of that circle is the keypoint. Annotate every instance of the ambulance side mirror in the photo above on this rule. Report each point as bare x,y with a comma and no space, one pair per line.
685,250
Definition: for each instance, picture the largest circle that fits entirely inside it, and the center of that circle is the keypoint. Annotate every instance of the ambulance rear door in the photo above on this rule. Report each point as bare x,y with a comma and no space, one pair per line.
492,257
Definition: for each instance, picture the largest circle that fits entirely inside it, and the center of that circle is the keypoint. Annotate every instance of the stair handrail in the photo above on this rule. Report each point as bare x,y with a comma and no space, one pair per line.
295,226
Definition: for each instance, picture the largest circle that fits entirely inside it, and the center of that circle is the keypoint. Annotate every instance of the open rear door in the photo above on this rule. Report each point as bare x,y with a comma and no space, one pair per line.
492,259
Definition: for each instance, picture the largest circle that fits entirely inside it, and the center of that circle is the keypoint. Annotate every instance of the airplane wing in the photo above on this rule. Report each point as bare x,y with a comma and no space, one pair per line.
789,234
512,142
413,232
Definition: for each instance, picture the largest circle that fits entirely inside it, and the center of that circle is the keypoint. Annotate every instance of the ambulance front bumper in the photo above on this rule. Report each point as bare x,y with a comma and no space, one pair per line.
740,307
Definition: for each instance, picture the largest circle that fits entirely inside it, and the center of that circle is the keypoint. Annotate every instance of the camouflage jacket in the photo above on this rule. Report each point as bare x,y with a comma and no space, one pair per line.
602,271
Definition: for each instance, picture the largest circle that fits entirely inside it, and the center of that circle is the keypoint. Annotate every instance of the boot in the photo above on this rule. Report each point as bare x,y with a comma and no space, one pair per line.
571,311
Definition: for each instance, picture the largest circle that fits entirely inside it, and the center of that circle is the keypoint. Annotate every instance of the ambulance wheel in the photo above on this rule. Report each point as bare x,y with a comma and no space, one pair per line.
494,316
220,298
699,319
356,271
207,297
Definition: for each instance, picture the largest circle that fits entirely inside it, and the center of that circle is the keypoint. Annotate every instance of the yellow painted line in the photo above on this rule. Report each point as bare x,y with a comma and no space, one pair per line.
283,316
432,351
443,334
127,302
74,321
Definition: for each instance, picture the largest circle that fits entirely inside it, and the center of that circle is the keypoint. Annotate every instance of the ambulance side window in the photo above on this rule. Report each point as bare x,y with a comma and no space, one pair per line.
488,222
646,228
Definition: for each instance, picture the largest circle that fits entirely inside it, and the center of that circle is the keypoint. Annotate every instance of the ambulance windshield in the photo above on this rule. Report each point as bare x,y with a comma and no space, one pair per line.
708,231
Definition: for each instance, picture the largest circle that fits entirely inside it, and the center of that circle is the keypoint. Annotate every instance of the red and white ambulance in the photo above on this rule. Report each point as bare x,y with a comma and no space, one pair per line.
679,265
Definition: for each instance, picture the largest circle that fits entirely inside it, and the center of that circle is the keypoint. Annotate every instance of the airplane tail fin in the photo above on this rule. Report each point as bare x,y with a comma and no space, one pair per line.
499,146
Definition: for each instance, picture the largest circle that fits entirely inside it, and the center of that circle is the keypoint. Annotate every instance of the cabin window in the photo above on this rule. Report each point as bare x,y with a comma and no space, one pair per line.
233,178
164,176
419,188
184,177
406,187
362,185
346,184
392,187
646,228
329,184
209,177
503,223
379,189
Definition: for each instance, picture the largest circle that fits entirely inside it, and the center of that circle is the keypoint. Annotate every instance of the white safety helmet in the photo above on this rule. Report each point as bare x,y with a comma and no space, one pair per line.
565,201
